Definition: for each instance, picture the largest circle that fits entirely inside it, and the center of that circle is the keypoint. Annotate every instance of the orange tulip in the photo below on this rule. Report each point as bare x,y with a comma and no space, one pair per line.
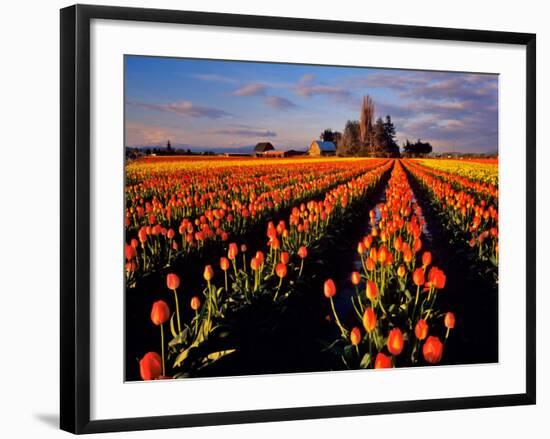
150,366
382,361
355,336
255,263
426,258
208,273
160,312
432,350
418,277
361,248
369,320
371,265
401,271
233,251
329,288
421,329
395,341
449,320
372,290
281,270
407,255
224,263
355,278
437,278
195,303
302,252
172,281
285,257
383,255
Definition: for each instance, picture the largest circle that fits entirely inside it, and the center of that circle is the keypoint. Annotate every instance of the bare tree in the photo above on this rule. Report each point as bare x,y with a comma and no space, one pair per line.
366,122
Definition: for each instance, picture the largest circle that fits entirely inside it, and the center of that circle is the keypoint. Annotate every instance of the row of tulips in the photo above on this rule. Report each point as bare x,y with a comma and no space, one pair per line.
395,311
473,219
227,205
478,187
244,277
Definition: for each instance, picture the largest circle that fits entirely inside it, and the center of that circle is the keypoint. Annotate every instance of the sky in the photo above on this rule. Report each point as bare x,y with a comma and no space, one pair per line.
232,104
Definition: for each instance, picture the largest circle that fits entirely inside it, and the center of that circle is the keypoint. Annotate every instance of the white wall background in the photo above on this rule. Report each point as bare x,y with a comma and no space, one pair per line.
29,216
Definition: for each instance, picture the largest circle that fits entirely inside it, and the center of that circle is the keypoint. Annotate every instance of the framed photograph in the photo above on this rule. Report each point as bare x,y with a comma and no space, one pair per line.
268,218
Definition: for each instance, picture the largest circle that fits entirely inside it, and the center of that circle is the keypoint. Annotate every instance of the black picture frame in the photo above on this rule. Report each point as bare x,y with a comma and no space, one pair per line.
75,217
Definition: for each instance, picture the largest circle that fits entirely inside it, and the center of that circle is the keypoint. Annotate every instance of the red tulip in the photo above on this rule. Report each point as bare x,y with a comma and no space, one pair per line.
355,336
302,252
432,350
160,312
150,366
369,320
395,341
130,252
382,361
371,265
172,281
329,288
421,329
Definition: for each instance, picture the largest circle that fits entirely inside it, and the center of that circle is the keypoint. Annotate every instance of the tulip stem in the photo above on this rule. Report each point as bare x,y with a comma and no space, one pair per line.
342,329
278,288
301,267
177,309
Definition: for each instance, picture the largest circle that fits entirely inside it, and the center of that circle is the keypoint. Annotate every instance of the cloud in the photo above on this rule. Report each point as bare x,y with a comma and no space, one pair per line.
183,108
139,134
244,131
212,77
279,103
307,87
252,89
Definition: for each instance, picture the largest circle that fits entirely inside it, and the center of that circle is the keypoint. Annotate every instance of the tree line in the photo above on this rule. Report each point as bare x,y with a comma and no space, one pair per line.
372,138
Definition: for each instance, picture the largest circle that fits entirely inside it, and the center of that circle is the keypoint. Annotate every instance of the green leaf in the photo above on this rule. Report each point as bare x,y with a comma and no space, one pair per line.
365,361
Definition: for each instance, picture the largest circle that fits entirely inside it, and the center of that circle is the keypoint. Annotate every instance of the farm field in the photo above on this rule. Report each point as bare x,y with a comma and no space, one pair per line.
242,266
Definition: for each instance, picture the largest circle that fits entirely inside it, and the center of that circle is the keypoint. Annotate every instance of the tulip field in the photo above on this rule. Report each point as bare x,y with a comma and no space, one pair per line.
241,266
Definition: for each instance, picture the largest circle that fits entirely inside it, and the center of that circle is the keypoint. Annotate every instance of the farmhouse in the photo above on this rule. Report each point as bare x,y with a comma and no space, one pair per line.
262,147
318,147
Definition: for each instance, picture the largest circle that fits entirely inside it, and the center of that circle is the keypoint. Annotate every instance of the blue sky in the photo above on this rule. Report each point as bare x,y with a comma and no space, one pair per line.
230,104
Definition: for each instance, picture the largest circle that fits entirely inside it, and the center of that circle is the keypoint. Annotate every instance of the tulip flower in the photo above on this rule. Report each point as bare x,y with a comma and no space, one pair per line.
233,251
150,366
421,329
418,277
173,282
395,341
426,259
369,320
285,257
401,271
160,313
382,361
355,278
329,289
432,350
355,336
208,273
224,265
372,290
195,303
449,323
281,272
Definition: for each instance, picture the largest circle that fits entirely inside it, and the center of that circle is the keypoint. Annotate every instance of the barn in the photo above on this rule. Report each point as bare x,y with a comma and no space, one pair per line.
318,147
262,147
